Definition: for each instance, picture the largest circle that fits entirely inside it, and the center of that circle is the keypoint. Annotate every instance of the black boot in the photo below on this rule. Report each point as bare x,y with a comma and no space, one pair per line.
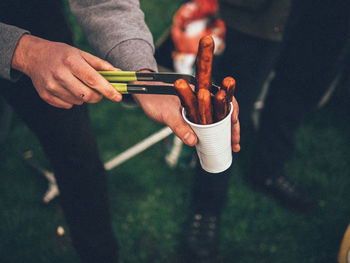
288,192
201,238
278,185
201,230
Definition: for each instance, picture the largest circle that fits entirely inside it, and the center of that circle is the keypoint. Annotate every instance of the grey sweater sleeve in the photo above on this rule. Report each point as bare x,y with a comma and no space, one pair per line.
117,32
9,37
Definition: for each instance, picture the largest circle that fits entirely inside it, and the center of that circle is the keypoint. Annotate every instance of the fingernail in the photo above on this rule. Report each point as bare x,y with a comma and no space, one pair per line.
190,138
117,97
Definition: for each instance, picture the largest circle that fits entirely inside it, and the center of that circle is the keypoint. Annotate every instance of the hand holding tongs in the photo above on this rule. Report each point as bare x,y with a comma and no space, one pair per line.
120,81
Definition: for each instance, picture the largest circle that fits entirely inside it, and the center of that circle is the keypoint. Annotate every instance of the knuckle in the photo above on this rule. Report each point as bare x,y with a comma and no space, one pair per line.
96,98
68,60
177,128
49,100
78,92
87,96
109,92
59,76
51,87
45,96
79,102
90,80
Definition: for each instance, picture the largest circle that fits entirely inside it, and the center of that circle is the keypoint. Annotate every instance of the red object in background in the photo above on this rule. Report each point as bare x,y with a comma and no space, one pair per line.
207,7
194,20
194,10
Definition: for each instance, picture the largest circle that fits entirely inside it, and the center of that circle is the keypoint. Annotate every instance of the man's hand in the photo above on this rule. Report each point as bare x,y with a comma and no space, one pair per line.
61,74
167,109
235,127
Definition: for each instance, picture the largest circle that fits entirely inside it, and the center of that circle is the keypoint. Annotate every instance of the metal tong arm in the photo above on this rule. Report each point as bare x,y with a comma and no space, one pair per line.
120,81
129,76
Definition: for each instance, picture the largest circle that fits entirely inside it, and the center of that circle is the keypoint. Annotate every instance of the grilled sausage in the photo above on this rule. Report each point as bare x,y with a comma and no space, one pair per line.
220,105
188,99
204,106
204,62
229,85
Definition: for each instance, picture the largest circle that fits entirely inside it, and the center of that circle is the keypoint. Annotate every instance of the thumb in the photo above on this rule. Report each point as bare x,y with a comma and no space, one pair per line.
183,131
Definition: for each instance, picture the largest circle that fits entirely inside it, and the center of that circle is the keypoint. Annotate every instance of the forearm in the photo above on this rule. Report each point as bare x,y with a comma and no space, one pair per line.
117,32
9,38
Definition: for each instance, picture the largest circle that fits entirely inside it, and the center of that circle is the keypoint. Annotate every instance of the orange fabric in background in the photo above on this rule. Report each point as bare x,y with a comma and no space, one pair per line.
190,12
194,10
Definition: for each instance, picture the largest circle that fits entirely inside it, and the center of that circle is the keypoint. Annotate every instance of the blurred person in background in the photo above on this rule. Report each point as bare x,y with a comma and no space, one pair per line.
305,64
48,83
254,44
314,39
191,22
299,41
248,42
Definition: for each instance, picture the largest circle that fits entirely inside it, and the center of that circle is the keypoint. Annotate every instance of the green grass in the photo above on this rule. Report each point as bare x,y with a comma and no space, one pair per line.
149,201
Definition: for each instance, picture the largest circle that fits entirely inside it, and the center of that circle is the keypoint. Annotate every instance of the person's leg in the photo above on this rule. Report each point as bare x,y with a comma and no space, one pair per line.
249,60
209,191
314,38
202,228
70,145
6,113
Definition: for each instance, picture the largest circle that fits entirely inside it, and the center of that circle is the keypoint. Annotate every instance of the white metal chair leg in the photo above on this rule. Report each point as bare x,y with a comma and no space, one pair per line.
53,190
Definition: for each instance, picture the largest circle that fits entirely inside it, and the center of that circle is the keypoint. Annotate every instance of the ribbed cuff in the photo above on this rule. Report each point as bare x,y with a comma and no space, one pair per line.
9,38
133,55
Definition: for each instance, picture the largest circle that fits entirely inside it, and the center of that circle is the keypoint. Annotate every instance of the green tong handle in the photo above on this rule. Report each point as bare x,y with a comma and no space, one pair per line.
121,87
124,76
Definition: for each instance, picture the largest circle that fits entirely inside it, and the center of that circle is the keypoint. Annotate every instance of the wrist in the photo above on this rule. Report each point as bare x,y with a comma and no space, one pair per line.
25,52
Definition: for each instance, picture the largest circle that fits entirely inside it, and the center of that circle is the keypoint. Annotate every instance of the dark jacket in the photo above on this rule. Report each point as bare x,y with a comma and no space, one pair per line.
260,18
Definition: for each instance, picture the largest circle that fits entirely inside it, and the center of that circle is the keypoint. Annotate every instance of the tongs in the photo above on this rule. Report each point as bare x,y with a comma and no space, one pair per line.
120,80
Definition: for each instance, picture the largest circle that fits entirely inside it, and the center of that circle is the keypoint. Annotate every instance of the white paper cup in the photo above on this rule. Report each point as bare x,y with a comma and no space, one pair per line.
214,143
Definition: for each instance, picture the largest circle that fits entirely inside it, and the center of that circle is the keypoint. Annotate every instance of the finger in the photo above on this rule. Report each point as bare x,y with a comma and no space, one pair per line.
96,62
181,129
78,89
88,75
50,87
90,96
236,148
235,139
64,95
167,110
55,101
235,128
235,107
184,132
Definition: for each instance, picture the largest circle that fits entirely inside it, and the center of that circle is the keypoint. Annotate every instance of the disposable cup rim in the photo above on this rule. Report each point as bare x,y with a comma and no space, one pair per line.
207,125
